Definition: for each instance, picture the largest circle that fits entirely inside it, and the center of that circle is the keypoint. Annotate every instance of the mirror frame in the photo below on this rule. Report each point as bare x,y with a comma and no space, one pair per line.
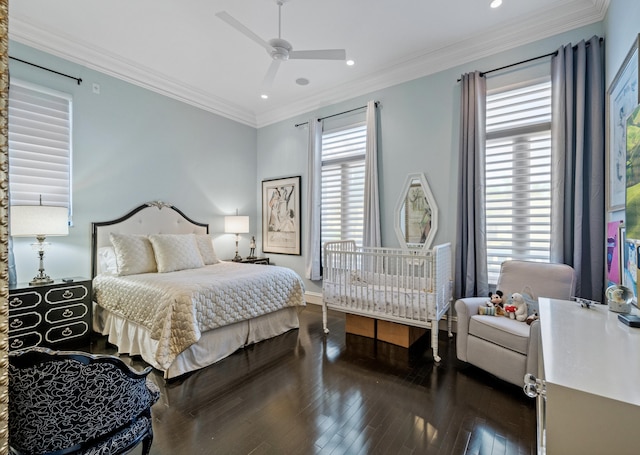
432,204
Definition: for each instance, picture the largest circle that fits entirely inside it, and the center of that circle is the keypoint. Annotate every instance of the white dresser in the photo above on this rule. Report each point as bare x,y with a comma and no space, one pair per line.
591,371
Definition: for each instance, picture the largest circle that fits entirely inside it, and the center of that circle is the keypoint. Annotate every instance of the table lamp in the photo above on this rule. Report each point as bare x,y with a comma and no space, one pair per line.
236,224
39,221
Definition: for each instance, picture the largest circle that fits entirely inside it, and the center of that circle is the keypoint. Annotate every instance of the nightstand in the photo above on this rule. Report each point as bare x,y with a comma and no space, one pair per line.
56,315
257,260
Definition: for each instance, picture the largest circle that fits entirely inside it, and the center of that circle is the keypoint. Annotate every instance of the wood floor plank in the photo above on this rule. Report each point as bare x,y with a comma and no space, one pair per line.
310,393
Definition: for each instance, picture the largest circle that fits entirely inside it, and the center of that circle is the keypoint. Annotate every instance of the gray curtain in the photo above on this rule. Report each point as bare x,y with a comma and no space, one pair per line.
371,235
314,201
471,277
578,164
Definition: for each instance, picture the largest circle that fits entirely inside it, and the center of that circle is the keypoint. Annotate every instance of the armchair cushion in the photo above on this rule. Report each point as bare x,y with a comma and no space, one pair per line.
503,331
72,401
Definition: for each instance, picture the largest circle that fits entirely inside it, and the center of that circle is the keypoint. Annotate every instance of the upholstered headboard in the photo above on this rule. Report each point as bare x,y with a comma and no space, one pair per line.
149,218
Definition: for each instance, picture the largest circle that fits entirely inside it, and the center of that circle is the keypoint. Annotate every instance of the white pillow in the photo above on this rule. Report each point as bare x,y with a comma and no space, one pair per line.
107,262
134,254
205,245
176,252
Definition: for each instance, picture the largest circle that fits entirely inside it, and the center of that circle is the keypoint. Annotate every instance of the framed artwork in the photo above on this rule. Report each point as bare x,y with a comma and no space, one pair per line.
632,205
622,98
281,216
630,275
613,253
417,215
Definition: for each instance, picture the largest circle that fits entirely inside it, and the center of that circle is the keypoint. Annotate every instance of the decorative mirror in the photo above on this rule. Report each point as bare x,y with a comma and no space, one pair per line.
416,220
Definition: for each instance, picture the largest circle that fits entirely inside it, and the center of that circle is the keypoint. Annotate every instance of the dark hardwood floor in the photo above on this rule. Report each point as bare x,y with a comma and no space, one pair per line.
304,393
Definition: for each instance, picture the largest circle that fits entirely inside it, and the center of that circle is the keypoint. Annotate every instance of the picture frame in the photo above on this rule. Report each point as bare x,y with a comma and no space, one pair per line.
622,97
281,216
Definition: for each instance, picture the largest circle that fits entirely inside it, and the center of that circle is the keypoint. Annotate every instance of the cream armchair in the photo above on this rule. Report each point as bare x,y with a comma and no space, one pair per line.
502,346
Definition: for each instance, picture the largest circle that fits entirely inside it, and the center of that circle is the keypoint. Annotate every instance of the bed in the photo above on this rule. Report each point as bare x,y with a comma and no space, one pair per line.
412,288
159,291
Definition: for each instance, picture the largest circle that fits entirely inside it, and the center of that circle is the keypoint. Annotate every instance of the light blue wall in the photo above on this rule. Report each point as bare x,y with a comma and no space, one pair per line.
130,146
418,133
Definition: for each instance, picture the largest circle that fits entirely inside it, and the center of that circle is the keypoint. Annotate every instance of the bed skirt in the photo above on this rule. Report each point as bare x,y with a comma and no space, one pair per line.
214,345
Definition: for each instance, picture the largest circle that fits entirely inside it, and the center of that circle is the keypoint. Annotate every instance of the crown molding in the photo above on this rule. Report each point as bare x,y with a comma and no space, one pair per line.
563,18
567,17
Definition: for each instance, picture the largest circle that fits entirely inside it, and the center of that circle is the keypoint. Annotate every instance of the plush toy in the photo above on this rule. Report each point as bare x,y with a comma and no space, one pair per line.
531,318
520,313
495,299
494,305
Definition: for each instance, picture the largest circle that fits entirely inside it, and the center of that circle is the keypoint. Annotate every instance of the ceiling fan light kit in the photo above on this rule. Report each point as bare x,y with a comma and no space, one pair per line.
280,49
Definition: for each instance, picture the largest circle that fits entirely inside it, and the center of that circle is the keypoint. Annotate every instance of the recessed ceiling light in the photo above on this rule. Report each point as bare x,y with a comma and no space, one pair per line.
302,81
264,96
350,63
495,3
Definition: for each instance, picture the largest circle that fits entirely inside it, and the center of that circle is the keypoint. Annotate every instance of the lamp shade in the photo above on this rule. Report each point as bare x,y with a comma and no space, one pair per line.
236,224
35,220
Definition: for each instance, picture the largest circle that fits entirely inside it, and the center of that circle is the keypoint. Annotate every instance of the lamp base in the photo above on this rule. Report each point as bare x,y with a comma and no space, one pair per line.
237,258
40,280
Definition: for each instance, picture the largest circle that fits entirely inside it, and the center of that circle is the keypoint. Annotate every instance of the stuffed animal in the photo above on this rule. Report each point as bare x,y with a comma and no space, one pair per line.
518,301
531,318
495,299
494,305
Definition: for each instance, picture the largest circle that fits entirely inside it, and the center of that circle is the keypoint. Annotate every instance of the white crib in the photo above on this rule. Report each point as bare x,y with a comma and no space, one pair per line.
391,284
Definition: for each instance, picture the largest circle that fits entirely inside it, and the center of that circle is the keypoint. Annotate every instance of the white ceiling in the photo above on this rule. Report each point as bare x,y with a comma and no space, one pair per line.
181,49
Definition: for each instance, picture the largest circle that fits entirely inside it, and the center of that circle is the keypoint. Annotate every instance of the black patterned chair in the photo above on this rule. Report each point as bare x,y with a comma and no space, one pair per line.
76,403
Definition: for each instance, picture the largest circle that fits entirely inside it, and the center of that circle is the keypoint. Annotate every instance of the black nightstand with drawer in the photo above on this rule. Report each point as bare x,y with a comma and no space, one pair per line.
56,315
256,260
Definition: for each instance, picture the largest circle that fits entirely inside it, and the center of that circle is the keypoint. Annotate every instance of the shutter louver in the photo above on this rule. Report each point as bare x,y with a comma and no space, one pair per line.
518,176
343,154
39,146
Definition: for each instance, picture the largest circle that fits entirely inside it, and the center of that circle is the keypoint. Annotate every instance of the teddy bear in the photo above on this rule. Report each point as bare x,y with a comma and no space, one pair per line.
520,313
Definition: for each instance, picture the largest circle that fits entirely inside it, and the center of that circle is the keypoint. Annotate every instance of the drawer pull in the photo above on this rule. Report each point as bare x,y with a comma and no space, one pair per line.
67,313
16,324
67,332
15,302
67,294
16,344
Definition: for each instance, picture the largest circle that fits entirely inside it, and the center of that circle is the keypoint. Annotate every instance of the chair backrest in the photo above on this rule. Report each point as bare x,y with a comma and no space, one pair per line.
59,400
540,279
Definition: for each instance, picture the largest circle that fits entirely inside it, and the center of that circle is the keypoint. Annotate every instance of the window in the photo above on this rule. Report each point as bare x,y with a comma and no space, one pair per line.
39,146
343,157
518,175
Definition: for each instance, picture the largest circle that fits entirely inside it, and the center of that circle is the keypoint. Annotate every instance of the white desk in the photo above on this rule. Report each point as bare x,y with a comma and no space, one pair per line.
591,368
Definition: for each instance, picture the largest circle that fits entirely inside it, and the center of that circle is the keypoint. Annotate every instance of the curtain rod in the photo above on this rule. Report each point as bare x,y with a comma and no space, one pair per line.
550,54
334,115
77,79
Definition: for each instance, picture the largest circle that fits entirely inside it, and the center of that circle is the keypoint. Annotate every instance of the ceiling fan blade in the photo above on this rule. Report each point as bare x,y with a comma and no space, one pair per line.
267,82
244,30
321,54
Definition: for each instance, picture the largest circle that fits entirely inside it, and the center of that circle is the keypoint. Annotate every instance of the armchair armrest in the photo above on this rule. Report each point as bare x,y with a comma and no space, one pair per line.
465,308
533,348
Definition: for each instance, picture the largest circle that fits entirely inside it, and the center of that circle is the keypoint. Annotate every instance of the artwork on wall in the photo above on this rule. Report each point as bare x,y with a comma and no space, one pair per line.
622,98
281,216
630,274
632,206
614,261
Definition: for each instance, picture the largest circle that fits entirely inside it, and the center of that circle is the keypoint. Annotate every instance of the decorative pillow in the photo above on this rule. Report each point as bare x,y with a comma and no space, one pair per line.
107,262
134,254
176,252
205,245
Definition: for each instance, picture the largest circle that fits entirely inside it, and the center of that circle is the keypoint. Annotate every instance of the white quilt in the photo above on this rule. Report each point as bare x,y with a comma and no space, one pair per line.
177,307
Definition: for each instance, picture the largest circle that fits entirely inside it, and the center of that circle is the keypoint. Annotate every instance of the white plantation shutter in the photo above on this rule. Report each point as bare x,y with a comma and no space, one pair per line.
39,145
518,176
343,156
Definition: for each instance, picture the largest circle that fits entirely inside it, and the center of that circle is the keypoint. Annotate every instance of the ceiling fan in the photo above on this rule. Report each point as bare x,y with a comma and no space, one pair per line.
280,49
